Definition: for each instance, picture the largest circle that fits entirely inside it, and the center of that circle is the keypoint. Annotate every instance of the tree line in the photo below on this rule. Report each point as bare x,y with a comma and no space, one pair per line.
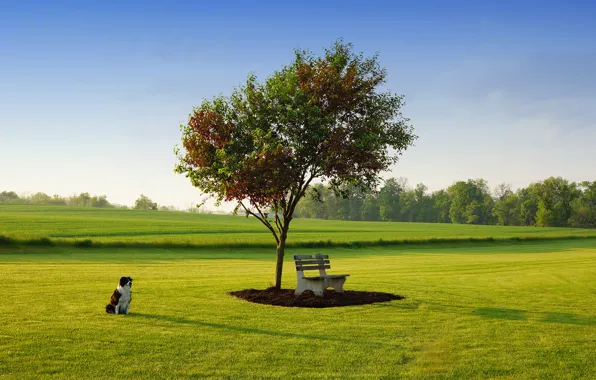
79,200
554,202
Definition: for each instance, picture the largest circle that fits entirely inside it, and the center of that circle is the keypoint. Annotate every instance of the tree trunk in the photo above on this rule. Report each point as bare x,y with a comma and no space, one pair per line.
280,259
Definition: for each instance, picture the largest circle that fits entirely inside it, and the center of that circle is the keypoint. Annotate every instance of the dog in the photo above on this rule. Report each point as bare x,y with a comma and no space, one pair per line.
120,300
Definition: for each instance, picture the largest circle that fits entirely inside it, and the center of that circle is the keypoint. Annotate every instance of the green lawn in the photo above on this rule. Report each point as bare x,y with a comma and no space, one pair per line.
522,310
109,226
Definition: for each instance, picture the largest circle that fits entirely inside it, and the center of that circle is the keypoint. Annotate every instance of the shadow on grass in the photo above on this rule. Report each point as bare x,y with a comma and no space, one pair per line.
548,317
570,319
250,330
500,313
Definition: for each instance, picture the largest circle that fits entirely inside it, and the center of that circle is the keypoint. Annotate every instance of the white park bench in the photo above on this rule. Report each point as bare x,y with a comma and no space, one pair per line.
322,281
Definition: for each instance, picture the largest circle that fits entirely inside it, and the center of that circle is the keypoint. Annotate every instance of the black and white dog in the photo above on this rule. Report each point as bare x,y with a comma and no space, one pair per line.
120,301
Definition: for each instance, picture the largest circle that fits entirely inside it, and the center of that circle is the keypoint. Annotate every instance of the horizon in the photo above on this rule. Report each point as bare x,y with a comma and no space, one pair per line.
95,94
227,207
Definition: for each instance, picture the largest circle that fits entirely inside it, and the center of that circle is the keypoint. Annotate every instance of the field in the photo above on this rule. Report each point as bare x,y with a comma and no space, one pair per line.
109,226
518,309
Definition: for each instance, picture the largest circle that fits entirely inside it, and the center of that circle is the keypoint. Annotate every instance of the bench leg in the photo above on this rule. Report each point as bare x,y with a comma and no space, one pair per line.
301,287
317,287
337,284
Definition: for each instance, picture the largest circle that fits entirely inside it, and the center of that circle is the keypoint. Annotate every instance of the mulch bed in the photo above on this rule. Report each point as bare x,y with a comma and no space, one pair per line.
285,297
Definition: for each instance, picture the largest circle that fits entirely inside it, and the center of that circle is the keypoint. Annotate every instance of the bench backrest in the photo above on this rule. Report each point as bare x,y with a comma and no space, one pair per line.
312,262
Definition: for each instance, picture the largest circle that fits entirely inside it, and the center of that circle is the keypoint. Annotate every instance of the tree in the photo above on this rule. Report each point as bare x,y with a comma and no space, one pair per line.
349,205
100,201
9,197
441,205
528,204
316,118
144,203
471,202
555,196
40,199
170,208
57,200
502,191
370,208
389,200
584,207
310,207
507,210
421,209
544,215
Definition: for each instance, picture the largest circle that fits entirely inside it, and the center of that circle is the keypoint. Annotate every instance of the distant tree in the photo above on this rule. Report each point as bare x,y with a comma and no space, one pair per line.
57,200
9,197
317,118
528,204
313,205
507,210
170,208
100,201
349,203
544,215
555,196
84,199
193,209
423,208
584,207
144,203
502,191
80,200
471,202
389,200
441,201
408,205
370,207
40,199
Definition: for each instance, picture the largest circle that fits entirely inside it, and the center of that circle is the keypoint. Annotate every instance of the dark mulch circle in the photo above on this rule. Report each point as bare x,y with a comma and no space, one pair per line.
285,297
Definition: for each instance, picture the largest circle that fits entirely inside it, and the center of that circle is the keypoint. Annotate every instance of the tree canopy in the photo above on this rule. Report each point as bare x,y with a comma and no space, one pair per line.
320,117
143,202
554,202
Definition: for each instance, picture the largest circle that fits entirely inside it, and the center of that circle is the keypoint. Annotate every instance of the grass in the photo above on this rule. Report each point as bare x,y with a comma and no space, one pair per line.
46,225
523,310
496,302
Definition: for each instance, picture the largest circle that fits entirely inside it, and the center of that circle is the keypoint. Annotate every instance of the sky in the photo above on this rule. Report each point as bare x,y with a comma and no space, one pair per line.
92,94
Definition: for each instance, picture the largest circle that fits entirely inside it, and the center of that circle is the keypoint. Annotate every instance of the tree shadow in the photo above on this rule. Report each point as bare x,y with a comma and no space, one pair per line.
402,306
548,317
500,313
570,319
250,330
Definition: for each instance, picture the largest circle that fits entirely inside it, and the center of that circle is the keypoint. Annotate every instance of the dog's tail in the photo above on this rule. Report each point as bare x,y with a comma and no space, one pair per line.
110,309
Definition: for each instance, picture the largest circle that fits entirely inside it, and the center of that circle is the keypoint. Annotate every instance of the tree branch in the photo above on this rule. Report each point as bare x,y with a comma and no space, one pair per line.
261,217
299,196
276,218
278,224
293,196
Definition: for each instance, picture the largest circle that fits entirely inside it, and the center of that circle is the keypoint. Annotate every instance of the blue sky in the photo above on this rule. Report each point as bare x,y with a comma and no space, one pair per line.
92,95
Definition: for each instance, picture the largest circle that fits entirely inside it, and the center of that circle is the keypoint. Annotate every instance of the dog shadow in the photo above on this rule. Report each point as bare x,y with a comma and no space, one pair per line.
250,330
